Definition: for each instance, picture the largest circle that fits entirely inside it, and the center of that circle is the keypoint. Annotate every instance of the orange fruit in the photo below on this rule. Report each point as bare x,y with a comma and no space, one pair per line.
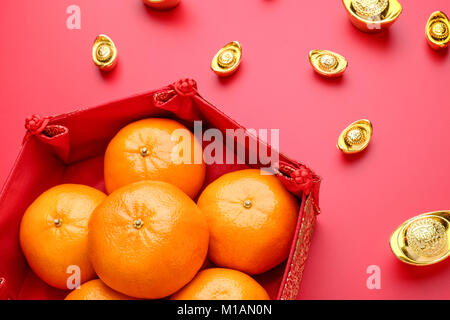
147,239
251,218
222,284
96,290
54,232
151,149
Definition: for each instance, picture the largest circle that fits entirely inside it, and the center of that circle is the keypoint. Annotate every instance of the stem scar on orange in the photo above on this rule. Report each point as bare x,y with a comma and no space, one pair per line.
251,218
153,149
54,232
222,284
147,239
96,290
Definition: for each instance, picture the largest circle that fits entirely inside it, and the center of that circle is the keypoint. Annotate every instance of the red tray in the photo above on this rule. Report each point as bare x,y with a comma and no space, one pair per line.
69,148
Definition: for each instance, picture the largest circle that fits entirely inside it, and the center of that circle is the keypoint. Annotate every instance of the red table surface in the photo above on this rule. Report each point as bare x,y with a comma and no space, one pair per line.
394,79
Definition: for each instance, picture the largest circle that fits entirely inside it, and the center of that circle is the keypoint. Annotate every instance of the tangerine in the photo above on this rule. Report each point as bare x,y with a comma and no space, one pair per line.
96,290
147,239
54,232
155,149
222,284
251,218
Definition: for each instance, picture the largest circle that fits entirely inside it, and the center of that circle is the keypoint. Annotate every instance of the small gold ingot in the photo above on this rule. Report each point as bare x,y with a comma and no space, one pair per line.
423,240
247,204
327,63
57,222
138,224
104,53
144,152
372,15
356,137
438,30
161,4
228,59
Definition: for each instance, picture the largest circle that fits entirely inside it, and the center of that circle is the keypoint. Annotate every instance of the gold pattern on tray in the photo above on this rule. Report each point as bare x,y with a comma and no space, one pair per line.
104,53
423,240
438,30
228,59
161,4
327,63
372,15
356,137
302,245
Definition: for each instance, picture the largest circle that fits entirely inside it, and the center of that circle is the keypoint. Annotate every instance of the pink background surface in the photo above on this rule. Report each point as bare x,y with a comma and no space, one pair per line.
394,79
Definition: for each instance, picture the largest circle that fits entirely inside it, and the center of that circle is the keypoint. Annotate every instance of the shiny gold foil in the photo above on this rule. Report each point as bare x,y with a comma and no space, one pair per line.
356,137
437,30
228,59
327,63
372,15
104,53
423,240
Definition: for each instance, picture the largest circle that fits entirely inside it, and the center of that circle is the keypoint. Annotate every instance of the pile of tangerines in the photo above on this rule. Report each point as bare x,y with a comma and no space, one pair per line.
147,238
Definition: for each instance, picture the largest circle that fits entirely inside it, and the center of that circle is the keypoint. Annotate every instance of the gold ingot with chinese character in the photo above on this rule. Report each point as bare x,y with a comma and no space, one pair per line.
327,63
423,240
161,4
372,15
228,59
356,137
438,30
104,53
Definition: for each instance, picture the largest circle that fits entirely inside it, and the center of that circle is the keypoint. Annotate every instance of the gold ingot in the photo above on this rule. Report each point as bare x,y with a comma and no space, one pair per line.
356,137
327,63
372,15
423,240
438,30
104,53
228,59
161,4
